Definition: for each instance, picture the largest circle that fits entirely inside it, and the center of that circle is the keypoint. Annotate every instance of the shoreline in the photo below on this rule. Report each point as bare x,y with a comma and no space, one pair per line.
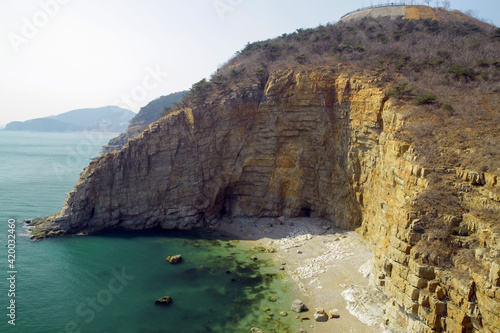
329,267
324,266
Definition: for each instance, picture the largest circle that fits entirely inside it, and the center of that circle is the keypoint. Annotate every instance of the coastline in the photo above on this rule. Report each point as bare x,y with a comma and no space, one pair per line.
329,267
323,266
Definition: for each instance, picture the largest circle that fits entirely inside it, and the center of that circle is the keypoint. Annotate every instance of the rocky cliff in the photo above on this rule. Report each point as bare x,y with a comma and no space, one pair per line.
319,141
310,143
146,115
276,150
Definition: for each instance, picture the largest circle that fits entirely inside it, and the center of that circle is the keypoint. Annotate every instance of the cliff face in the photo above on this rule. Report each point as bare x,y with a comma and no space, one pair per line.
147,114
313,142
278,150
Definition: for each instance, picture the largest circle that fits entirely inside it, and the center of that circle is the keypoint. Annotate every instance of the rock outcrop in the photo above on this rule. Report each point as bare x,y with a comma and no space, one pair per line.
312,142
174,259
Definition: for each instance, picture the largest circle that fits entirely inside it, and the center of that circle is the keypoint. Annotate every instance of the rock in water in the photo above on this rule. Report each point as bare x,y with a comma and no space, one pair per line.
320,315
165,300
256,330
298,306
174,259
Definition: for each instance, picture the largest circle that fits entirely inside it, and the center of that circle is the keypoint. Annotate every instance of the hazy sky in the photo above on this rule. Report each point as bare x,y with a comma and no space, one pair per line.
60,55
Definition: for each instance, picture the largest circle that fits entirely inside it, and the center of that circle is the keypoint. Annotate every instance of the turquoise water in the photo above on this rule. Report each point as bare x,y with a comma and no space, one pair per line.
109,282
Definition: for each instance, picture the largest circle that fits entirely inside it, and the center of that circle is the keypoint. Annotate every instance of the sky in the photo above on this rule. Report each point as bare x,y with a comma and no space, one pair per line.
61,55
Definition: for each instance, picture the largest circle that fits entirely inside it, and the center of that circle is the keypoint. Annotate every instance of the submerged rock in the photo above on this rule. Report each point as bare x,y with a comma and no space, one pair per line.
165,300
174,259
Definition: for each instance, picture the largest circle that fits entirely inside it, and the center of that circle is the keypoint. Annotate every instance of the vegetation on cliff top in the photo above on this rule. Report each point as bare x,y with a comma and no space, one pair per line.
450,69
444,74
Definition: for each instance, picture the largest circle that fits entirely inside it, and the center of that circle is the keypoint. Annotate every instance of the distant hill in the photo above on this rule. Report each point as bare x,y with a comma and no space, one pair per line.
152,111
147,114
103,119
41,125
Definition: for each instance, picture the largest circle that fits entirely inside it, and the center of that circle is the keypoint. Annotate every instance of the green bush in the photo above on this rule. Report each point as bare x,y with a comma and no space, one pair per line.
483,63
260,72
434,63
495,35
382,38
447,107
235,72
431,25
459,71
461,231
301,58
400,91
200,89
427,98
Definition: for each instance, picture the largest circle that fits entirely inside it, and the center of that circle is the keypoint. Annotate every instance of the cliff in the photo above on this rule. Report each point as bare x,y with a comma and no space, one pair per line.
330,141
146,115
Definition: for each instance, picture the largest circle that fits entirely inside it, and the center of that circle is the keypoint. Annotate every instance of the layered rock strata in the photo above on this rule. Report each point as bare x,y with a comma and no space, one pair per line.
309,143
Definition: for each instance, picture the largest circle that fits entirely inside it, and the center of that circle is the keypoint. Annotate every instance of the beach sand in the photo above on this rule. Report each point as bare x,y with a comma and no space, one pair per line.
330,267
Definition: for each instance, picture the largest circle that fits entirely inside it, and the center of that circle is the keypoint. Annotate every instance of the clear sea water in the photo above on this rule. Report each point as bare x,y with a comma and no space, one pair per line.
109,282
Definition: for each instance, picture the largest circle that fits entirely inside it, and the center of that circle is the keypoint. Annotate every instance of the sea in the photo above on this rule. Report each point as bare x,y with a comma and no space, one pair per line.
110,282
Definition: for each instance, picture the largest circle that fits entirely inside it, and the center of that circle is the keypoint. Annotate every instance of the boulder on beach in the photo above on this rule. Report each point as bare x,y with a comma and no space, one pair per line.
298,306
332,314
320,315
174,259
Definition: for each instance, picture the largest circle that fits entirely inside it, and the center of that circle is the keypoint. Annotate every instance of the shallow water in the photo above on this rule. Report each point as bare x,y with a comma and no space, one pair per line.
109,282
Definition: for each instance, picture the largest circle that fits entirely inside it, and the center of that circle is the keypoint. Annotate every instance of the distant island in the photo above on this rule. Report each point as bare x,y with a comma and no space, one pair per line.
103,119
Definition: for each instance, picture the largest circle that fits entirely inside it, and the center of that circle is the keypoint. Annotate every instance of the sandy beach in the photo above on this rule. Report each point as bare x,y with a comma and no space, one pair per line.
330,267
